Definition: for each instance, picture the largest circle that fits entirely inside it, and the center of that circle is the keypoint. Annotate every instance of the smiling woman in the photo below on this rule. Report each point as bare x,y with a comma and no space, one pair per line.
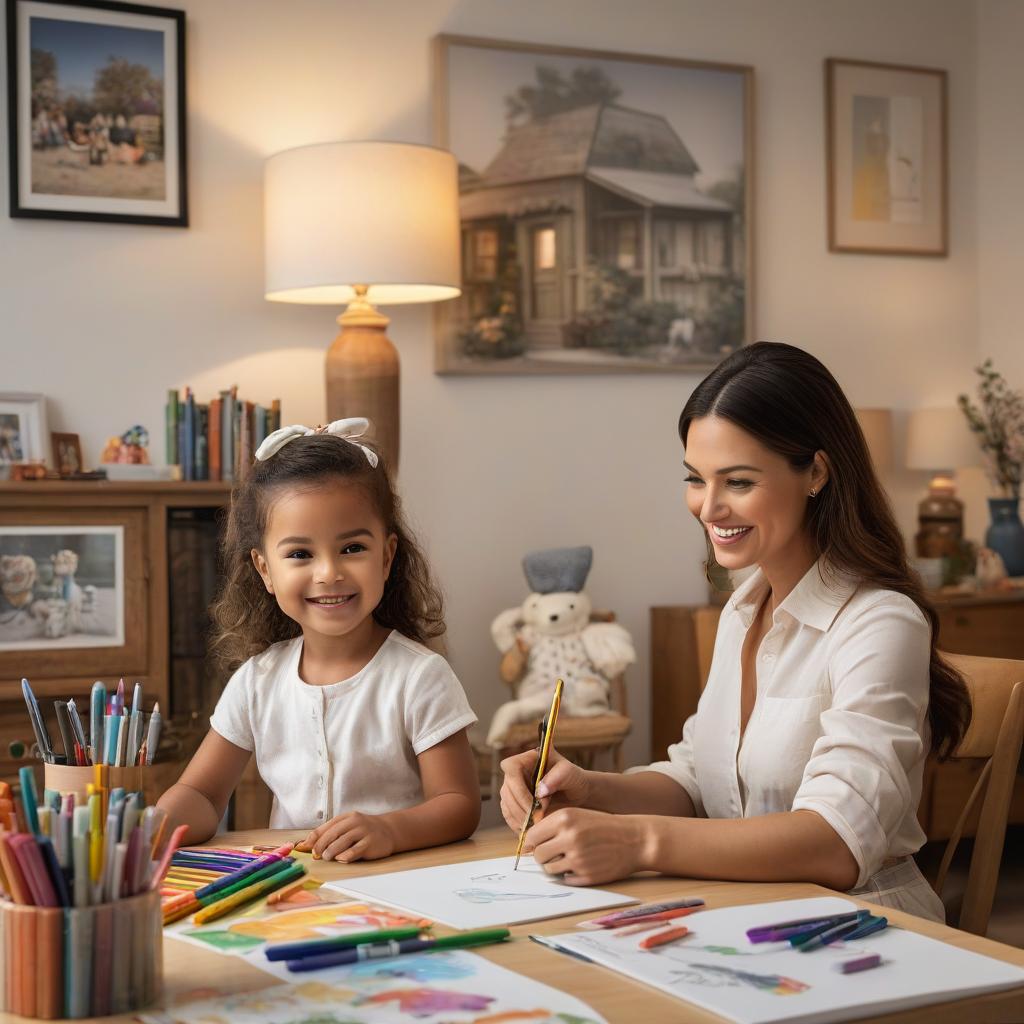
804,759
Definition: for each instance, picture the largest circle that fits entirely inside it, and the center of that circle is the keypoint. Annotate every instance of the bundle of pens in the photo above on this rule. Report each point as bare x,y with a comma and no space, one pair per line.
80,923
117,736
338,950
209,883
810,933
658,918
60,853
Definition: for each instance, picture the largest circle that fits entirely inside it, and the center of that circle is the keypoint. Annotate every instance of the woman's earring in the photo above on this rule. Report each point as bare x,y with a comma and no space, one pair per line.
814,493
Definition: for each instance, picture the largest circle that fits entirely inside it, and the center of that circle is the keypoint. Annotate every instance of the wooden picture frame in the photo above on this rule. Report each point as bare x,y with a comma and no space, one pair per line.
887,163
80,616
96,112
67,453
606,202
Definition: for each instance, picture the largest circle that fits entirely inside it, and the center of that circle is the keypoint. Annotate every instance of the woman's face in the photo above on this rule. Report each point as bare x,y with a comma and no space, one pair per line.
749,499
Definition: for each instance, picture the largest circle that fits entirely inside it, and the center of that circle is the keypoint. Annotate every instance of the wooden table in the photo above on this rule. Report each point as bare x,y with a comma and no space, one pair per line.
188,969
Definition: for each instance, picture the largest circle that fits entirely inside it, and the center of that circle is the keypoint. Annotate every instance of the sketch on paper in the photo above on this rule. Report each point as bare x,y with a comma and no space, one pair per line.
480,894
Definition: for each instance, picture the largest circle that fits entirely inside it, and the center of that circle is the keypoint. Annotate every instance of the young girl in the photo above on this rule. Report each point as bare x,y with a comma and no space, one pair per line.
358,729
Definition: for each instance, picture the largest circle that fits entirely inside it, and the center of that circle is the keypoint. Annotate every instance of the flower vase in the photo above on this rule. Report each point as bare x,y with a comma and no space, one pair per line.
1006,533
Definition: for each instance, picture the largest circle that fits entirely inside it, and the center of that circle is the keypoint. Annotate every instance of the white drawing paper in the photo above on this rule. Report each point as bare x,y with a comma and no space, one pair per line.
481,893
717,968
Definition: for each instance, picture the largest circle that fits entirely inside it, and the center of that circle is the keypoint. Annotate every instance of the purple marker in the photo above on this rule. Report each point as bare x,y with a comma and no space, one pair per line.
861,963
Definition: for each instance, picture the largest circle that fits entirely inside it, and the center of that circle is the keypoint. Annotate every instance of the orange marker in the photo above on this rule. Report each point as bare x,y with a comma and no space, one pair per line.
662,938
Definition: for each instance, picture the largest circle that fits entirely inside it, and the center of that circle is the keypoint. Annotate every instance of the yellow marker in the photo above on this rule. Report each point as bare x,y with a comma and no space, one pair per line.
547,728
95,839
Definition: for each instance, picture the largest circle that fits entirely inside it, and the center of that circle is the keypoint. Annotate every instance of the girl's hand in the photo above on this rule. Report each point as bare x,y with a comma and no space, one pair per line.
590,847
564,785
349,837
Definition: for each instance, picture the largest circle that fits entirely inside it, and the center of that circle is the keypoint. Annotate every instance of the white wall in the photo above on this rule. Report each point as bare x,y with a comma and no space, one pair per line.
104,318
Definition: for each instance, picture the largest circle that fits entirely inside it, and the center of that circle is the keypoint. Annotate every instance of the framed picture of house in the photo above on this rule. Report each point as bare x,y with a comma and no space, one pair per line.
886,158
72,592
96,108
605,205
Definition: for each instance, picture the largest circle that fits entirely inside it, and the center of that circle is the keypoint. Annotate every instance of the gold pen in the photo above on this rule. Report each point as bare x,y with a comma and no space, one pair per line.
547,733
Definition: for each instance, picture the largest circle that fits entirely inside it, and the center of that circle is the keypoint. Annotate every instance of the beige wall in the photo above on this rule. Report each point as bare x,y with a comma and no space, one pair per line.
104,318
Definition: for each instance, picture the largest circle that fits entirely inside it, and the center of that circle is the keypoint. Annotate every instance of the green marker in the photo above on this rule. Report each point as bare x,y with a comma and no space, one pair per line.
313,947
384,950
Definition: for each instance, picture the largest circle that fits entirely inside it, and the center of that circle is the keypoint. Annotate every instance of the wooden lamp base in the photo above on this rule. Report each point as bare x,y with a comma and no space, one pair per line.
363,373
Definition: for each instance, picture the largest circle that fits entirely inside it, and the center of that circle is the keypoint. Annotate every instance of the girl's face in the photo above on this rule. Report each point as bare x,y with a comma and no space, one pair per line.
326,557
749,499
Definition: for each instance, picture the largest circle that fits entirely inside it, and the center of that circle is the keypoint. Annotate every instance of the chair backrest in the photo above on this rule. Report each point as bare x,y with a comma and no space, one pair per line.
996,686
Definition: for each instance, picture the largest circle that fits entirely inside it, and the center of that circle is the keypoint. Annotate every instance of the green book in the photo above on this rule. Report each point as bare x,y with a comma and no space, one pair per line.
172,427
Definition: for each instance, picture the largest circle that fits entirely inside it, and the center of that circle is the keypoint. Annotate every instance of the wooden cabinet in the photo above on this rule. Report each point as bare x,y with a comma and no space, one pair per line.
119,534
682,641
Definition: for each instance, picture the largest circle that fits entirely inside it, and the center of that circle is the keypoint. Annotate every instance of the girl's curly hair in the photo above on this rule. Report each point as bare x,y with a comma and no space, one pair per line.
246,618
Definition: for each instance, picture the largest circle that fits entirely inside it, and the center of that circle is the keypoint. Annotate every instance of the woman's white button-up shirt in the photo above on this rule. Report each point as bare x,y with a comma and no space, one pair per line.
839,725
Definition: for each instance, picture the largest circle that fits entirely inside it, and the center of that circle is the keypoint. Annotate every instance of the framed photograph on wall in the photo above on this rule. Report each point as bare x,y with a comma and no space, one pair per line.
886,155
96,111
72,592
605,205
24,435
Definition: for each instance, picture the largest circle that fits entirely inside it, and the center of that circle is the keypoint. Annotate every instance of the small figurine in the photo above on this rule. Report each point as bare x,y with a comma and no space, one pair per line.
991,571
130,447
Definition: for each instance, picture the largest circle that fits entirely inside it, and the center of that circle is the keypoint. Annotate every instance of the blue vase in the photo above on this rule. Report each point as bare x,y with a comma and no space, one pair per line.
1006,534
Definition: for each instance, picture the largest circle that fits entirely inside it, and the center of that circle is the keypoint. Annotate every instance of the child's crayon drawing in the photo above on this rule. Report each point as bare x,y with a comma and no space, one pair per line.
715,975
440,988
493,895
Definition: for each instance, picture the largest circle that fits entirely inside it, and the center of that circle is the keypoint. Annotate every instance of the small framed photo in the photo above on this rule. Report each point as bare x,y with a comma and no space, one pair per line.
72,580
67,453
24,435
886,153
96,108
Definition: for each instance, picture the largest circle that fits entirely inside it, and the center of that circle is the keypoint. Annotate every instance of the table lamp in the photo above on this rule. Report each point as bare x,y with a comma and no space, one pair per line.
367,224
876,425
938,440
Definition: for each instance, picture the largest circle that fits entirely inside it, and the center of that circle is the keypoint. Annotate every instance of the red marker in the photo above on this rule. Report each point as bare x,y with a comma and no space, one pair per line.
662,938
665,915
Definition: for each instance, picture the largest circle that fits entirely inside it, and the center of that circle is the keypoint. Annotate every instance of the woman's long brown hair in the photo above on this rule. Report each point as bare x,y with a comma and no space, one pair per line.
246,618
789,401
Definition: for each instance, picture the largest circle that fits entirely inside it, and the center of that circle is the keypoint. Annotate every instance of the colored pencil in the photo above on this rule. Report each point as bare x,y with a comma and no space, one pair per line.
314,947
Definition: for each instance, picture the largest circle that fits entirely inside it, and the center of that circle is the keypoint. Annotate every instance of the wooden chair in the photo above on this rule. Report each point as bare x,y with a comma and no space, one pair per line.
579,739
997,695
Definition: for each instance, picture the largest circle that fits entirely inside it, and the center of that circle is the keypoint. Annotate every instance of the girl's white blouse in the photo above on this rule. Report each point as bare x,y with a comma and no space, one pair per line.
839,725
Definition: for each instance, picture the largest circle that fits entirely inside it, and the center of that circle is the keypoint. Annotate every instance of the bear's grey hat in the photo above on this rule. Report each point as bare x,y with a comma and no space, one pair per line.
557,569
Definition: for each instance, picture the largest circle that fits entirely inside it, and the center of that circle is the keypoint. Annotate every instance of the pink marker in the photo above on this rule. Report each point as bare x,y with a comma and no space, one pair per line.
860,963
177,837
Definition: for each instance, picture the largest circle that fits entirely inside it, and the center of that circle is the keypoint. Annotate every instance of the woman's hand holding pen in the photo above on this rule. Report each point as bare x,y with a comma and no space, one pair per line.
588,847
564,785
350,837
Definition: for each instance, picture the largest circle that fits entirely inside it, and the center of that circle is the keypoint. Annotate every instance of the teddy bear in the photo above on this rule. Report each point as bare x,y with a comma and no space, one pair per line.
18,575
550,636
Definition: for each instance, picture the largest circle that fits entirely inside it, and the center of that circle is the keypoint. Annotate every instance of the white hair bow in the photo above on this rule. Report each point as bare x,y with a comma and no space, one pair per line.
353,427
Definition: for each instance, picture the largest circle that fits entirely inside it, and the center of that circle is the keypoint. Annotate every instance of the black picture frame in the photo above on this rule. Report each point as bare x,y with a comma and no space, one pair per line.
125,142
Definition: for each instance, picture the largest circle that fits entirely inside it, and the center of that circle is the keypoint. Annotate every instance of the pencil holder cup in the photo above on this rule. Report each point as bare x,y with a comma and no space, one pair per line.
81,961
66,778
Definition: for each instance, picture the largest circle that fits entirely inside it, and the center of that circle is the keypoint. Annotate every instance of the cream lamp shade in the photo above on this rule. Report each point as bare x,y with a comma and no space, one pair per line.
362,223
939,439
380,214
876,425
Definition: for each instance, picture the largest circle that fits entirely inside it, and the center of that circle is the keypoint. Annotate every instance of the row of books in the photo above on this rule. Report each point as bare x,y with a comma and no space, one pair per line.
216,440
